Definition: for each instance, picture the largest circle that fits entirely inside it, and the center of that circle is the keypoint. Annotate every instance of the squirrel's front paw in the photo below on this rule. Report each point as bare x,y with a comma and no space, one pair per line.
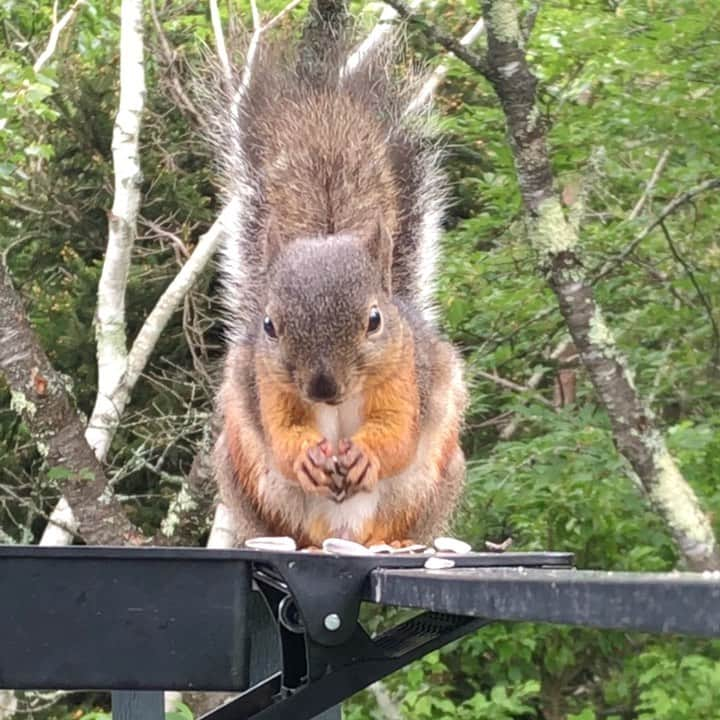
359,465
310,468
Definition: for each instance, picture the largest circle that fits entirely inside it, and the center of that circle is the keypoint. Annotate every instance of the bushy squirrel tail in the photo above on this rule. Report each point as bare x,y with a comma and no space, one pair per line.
318,147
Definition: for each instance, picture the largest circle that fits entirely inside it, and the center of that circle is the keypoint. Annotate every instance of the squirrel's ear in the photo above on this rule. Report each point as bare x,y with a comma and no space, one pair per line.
380,249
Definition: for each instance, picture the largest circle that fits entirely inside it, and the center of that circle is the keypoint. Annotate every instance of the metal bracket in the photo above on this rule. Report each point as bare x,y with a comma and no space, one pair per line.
326,654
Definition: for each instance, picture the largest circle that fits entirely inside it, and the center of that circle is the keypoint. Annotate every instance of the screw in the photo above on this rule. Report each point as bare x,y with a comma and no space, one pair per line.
332,622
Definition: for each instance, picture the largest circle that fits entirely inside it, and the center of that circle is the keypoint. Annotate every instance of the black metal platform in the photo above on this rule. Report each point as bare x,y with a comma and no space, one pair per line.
682,603
175,618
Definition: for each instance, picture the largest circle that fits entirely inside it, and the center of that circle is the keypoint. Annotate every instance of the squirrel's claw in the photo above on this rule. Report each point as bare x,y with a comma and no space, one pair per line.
310,469
359,466
313,480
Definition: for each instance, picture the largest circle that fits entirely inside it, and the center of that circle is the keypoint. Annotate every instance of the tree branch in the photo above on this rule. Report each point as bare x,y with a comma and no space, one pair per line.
535,379
669,209
515,387
657,172
110,313
57,28
438,75
474,60
704,299
377,36
220,48
559,250
40,396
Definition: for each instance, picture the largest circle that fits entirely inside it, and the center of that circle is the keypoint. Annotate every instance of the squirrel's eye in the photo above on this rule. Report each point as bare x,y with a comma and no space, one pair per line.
374,320
269,328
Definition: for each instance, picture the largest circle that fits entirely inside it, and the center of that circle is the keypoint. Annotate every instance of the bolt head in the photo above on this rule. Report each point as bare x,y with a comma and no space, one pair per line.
332,622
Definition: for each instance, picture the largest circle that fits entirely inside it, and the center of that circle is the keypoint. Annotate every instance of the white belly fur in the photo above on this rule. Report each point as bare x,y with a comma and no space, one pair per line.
337,422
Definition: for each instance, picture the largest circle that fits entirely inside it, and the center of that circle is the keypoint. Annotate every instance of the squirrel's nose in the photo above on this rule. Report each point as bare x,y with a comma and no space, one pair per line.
322,388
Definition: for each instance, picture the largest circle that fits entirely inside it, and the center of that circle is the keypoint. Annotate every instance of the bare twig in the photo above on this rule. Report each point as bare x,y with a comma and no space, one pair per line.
174,239
705,301
657,172
528,22
175,86
593,173
515,387
669,209
535,379
663,367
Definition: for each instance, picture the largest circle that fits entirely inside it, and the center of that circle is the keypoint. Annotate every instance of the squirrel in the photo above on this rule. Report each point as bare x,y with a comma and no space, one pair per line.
341,402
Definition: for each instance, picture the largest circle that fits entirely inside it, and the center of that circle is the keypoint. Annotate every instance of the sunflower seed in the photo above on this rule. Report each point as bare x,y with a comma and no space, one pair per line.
338,546
281,544
451,545
436,563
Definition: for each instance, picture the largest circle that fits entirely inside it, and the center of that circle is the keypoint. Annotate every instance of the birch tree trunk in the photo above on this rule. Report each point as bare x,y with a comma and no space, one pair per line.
120,369
559,249
110,330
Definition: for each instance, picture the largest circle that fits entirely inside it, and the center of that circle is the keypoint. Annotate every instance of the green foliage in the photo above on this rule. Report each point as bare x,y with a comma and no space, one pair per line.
620,83
181,712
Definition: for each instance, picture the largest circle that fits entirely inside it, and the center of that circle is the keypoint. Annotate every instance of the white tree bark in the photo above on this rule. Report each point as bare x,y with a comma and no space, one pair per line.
167,304
57,28
377,36
8,704
220,48
118,369
222,534
110,314
61,526
110,330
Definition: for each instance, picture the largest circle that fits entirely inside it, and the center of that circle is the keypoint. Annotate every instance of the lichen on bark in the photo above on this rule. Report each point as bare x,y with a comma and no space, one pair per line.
505,21
550,232
677,500
20,404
